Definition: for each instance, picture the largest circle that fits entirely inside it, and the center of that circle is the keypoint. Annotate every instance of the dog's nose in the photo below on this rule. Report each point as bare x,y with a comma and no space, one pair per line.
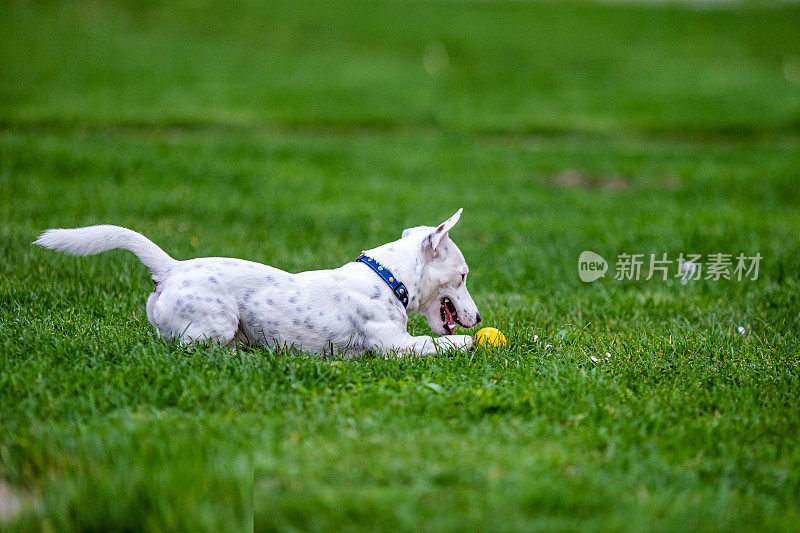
478,318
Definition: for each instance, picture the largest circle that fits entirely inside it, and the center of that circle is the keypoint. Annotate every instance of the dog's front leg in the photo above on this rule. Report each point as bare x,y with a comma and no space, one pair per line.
390,336
425,344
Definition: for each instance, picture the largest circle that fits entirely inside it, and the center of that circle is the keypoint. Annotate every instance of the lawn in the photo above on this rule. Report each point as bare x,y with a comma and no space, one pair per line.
300,133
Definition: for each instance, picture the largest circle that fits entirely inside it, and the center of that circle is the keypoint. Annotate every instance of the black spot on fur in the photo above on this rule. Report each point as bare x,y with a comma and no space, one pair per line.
186,283
364,314
188,311
359,336
377,294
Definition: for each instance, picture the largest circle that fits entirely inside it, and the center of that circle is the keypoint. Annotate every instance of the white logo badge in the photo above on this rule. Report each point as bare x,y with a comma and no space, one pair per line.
591,266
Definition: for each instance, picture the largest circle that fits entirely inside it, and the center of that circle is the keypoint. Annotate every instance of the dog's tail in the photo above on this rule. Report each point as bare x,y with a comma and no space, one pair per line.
96,239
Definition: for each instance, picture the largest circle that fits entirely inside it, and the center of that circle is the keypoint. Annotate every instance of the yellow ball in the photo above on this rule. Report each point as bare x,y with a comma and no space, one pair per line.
490,337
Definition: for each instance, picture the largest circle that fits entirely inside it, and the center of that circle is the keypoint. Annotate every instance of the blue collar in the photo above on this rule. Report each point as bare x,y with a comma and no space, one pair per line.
386,275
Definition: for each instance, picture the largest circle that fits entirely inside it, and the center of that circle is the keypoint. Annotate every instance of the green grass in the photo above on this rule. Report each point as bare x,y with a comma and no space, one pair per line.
300,134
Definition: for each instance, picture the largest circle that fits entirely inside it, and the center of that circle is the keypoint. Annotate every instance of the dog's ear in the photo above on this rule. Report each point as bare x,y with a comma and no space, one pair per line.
436,236
409,231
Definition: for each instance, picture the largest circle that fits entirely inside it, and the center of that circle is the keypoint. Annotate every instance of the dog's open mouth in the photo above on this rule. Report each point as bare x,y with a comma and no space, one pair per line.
449,315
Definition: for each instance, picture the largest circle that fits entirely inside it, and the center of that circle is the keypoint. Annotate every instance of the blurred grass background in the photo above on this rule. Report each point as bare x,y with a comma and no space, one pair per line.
471,67
298,134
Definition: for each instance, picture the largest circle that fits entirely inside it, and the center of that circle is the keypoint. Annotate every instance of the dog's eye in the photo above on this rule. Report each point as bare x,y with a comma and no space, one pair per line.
463,278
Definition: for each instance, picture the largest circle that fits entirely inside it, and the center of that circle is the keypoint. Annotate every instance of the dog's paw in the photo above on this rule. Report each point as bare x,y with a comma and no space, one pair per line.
469,340
460,342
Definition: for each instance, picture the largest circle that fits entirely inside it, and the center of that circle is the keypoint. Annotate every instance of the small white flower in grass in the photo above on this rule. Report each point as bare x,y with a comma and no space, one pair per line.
535,338
608,356
742,330
548,347
594,359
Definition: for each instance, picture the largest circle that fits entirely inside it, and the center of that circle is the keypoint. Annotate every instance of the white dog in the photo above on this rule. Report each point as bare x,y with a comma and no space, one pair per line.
363,305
